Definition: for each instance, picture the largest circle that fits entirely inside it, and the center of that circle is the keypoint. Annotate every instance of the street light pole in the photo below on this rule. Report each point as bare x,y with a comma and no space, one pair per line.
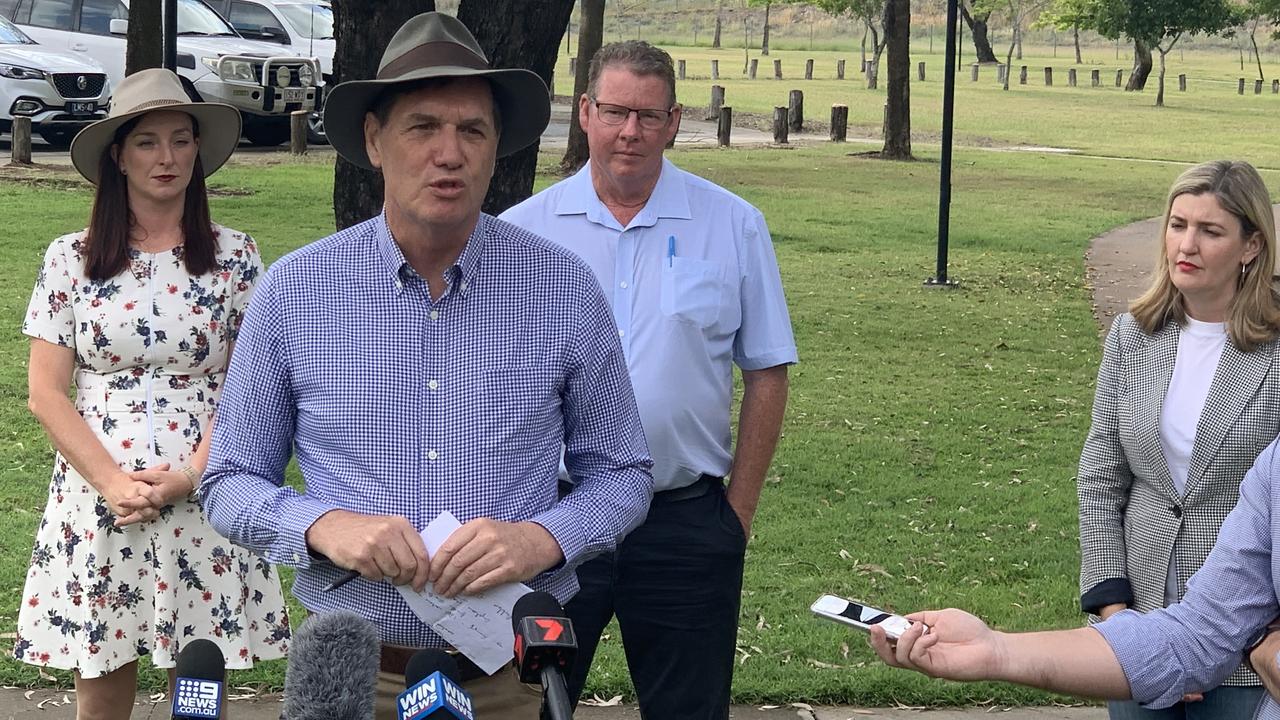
171,35
944,172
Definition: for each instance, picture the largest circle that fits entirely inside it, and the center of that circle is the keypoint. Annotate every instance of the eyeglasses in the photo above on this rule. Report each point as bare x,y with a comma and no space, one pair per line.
611,114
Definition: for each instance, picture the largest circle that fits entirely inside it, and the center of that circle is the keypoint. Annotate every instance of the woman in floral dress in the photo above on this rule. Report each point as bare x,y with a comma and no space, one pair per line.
140,311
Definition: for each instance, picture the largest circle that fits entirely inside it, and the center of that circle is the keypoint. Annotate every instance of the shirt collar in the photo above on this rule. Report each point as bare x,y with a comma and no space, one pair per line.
466,267
667,201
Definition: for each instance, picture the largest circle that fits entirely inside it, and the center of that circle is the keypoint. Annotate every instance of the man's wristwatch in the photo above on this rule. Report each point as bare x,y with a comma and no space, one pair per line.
1258,640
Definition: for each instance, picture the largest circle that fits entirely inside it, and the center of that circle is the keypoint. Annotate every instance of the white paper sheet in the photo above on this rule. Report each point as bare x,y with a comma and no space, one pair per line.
479,626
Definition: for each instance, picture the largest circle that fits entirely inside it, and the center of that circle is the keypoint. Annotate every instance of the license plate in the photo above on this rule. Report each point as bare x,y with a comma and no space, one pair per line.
81,108
294,94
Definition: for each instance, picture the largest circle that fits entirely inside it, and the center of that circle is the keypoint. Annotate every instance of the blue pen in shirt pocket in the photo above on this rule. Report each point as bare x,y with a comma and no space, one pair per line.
671,250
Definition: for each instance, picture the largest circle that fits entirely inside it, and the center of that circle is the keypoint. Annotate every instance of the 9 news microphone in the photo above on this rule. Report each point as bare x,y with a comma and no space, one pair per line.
545,648
332,672
431,693
198,689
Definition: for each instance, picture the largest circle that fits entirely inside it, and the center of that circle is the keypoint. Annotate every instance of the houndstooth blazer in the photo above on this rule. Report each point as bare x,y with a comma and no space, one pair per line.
1132,519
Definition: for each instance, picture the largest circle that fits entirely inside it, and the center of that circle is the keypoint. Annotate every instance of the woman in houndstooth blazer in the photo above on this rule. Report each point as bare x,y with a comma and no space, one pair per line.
1188,394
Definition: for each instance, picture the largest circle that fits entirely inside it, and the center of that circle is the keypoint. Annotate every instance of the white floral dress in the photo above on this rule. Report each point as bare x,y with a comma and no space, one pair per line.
151,350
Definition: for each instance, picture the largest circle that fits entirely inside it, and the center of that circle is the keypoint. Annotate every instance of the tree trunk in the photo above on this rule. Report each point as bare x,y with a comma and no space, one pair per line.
1075,36
715,42
1254,40
865,30
897,130
1017,34
1160,91
362,29
590,37
764,44
144,46
978,29
529,44
1008,65
1141,67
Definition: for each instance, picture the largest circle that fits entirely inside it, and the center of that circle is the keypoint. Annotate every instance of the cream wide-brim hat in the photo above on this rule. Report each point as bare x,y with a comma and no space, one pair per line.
158,89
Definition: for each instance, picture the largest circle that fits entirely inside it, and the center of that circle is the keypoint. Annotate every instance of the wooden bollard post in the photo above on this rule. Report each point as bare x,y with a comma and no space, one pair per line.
920,71
1095,78
717,101
680,65
715,69
973,72
1071,77
1240,89
20,141
839,122
1048,77
780,125
725,127
573,66
840,69
1275,87
754,63
795,111
1257,87
1000,70
808,69
1120,78
1182,82
873,76
298,132
777,69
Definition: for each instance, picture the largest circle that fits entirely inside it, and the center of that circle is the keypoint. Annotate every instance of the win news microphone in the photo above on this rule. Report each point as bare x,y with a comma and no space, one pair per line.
545,648
198,689
332,672
431,693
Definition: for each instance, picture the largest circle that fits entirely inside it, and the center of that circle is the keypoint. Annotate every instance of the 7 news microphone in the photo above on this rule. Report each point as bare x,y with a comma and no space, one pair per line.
198,689
431,689
545,648
332,673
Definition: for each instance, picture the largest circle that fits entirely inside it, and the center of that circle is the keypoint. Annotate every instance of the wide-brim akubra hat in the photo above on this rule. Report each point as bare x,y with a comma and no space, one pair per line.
158,89
435,45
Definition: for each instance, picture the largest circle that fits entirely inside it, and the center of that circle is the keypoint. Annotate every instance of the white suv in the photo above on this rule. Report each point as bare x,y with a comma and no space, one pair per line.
60,91
304,26
265,82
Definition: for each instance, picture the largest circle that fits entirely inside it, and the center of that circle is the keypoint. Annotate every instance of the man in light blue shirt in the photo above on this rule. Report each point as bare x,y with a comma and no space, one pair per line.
1154,658
690,273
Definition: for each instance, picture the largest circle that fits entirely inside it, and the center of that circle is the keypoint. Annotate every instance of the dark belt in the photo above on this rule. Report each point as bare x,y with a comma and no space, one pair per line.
696,489
394,658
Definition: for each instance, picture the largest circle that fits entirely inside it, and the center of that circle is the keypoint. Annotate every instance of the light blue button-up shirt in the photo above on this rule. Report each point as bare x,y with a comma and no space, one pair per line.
1193,645
694,287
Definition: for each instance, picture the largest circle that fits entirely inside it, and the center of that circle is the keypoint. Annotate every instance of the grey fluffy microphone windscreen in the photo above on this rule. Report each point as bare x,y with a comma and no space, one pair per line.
332,672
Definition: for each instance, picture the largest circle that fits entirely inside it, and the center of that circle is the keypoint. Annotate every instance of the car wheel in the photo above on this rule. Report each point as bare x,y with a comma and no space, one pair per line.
315,129
267,134
59,138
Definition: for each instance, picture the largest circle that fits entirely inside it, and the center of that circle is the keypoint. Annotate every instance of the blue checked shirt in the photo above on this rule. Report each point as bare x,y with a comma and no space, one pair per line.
1193,645
400,405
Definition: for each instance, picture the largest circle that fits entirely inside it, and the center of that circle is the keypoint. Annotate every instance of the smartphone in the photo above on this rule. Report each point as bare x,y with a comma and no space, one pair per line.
860,616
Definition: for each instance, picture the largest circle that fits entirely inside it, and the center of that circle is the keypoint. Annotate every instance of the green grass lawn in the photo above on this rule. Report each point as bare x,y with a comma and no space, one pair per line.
931,437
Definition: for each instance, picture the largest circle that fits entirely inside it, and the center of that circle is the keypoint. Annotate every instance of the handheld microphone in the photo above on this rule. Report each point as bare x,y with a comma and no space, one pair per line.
430,690
332,673
198,689
545,648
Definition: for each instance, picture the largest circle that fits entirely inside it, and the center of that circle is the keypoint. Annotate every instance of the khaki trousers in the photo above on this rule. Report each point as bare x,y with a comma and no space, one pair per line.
501,695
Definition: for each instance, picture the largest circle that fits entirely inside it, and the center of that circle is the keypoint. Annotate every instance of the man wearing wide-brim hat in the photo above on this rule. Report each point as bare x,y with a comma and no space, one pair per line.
430,359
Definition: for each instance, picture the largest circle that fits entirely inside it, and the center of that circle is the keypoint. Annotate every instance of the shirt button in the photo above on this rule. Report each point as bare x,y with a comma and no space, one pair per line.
435,314
623,284
464,287
399,285
433,384
432,455
296,558
621,333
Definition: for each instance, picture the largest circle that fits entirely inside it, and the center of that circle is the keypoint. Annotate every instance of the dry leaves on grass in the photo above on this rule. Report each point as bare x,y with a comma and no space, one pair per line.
597,701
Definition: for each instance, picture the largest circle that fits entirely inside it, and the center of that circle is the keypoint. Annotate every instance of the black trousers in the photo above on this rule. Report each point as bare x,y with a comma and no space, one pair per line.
675,585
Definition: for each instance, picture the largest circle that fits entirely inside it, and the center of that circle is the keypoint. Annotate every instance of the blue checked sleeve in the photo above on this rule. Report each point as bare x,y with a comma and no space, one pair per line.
243,490
1195,644
605,449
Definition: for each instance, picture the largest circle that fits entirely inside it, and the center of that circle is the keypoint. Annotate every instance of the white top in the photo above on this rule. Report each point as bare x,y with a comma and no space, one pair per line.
1200,347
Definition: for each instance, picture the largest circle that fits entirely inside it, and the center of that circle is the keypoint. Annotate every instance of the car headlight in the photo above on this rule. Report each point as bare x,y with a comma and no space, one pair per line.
283,76
236,70
306,76
18,72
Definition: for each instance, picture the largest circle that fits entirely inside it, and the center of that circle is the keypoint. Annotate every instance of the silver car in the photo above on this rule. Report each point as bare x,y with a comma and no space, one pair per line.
60,91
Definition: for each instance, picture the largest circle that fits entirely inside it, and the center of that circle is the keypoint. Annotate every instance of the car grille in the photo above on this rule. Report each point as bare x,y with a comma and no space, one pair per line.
68,84
293,75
